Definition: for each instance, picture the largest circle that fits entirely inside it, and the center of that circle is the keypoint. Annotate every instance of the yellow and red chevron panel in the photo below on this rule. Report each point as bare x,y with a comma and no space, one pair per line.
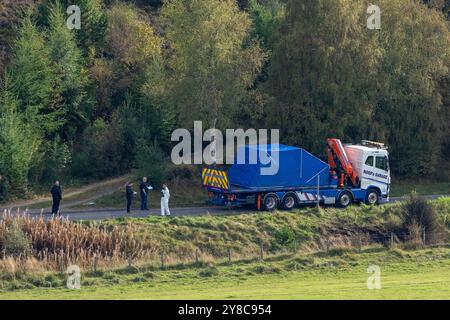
215,178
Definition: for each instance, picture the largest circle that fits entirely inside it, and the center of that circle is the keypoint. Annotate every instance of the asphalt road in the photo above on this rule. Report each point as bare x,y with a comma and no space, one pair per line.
102,214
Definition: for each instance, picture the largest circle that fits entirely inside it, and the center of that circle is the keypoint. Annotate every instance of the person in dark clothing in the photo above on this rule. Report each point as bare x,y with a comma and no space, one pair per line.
129,194
57,197
144,188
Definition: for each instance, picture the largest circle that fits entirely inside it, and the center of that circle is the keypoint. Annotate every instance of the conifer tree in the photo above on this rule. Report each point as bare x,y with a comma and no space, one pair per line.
19,142
32,78
69,94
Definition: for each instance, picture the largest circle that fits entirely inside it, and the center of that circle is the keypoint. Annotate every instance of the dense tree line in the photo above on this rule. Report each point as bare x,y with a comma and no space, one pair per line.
356,83
104,99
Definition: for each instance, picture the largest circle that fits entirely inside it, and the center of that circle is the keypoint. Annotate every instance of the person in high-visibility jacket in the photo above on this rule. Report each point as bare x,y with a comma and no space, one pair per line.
165,195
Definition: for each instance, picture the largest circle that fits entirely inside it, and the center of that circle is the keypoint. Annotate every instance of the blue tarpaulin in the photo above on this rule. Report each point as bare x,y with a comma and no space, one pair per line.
296,168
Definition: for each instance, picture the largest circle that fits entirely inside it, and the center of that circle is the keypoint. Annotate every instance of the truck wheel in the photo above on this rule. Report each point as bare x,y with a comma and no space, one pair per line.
372,197
289,201
270,202
344,199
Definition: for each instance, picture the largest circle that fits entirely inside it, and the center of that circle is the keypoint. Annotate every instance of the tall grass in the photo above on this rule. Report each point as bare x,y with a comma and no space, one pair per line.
59,242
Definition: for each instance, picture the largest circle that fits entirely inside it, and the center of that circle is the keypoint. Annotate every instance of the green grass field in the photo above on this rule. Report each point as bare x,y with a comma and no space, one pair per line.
421,274
316,271
424,187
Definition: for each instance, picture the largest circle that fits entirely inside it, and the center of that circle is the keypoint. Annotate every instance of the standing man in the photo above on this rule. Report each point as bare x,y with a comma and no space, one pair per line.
144,188
129,194
57,197
165,195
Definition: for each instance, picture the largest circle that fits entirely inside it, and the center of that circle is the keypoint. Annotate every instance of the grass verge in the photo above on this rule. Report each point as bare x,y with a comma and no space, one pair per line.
402,187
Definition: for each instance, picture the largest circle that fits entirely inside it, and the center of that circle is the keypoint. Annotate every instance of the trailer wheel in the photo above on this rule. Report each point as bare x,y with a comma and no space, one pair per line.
270,202
372,197
289,201
345,199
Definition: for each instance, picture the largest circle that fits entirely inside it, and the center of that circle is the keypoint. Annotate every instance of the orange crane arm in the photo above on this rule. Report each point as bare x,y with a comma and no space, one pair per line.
338,161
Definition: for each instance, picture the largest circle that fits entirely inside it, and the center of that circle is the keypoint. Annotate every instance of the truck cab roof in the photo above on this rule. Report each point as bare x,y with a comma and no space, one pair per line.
367,150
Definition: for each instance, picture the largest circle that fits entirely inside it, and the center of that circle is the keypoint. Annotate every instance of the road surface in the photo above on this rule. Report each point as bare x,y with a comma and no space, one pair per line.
83,195
102,214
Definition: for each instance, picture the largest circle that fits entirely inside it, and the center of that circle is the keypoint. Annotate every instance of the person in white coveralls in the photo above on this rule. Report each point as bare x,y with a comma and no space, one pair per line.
165,195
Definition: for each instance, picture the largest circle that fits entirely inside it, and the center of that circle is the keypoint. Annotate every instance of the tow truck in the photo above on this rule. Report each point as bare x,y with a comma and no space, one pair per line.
354,173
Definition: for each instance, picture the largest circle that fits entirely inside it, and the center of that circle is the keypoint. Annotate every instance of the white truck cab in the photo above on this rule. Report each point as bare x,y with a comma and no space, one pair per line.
370,160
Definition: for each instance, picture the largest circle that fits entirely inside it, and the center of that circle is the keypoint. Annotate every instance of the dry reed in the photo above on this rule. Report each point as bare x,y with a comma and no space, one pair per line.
59,242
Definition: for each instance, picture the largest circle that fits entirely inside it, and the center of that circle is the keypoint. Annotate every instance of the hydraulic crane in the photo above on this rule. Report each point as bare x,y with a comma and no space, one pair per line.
339,163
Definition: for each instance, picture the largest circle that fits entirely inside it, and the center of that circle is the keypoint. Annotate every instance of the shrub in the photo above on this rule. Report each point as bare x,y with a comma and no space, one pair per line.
151,162
14,241
419,214
284,236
